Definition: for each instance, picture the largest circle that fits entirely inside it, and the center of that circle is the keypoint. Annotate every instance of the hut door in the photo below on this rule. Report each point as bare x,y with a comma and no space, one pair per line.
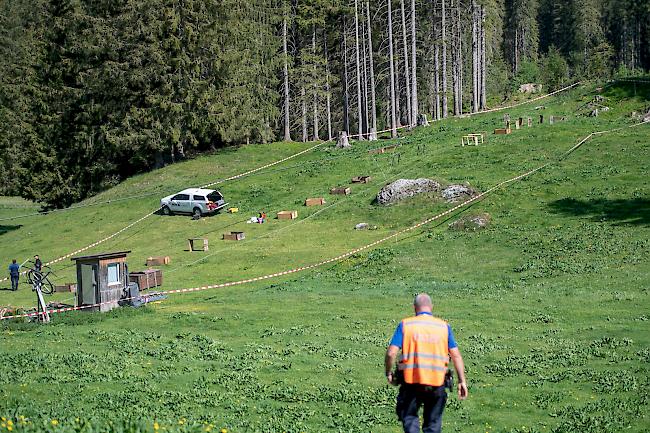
88,285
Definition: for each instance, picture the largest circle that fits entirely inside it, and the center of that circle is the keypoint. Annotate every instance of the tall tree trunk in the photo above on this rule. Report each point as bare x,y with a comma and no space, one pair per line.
393,123
414,74
398,88
346,88
373,101
515,51
303,96
285,73
364,63
454,57
313,49
328,91
483,64
459,40
445,108
475,58
358,65
407,71
434,85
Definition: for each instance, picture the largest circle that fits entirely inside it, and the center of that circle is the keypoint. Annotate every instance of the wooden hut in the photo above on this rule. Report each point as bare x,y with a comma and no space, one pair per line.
101,279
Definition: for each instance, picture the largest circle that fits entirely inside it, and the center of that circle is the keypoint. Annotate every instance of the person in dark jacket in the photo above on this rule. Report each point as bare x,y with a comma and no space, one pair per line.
14,273
38,265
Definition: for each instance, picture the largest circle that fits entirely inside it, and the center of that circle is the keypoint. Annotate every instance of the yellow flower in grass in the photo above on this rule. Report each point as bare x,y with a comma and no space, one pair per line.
54,422
156,426
224,430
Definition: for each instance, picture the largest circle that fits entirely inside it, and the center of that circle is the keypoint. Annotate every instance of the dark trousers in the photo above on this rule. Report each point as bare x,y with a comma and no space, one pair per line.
14,282
431,398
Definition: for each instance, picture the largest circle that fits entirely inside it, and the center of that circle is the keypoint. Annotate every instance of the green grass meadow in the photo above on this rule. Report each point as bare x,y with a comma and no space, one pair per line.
550,304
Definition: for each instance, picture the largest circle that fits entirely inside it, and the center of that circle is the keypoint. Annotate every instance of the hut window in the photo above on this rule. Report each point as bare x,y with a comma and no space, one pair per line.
113,273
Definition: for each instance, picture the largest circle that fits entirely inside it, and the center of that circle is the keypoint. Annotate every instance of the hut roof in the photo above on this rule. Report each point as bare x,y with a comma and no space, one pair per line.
102,256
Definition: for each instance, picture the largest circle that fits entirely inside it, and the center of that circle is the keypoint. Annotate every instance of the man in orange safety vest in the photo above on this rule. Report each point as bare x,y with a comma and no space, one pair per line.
426,343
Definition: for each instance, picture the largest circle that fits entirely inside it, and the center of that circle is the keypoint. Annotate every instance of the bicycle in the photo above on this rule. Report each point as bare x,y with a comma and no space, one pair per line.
40,278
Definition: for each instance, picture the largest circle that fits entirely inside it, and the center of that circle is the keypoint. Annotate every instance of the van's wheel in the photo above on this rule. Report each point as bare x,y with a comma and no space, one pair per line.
166,210
196,213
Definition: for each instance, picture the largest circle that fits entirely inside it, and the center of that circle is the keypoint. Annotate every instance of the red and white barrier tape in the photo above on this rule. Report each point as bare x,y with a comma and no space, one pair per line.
264,166
349,253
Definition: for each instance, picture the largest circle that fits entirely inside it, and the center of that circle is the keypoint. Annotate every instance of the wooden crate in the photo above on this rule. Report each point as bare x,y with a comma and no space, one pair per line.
158,261
67,287
197,244
361,179
315,201
342,191
500,131
234,236
287,214
147,279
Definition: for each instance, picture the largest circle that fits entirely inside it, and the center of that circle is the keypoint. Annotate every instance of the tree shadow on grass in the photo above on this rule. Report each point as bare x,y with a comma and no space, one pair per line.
7,229
620,211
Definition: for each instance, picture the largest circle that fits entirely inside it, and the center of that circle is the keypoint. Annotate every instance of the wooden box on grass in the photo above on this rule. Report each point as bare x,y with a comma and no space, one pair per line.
502,131
361,179
197,244
234,236
315,201
66,288
287,214
147,279
158,261
342,191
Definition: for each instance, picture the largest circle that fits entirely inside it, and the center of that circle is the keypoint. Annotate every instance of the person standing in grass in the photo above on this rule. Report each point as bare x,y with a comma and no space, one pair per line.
38,264
14,273
426,343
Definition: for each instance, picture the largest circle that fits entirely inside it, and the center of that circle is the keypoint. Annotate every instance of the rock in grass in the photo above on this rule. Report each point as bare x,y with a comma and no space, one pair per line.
456,193
530,88
365,226
471,222
405,188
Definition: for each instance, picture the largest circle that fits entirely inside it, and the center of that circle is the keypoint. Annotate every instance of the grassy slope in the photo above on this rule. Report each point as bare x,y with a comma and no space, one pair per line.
550,305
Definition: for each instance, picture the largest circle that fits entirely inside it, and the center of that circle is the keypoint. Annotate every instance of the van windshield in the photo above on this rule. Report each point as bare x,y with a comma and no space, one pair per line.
215,196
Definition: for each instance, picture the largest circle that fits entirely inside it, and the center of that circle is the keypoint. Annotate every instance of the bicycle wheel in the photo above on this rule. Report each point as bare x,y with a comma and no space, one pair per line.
47,287
31,277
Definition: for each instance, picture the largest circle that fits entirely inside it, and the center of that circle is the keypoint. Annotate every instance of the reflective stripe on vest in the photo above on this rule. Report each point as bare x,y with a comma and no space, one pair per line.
425,352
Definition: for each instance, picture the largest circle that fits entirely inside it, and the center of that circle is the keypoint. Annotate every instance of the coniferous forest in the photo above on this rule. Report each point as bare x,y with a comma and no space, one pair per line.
93,91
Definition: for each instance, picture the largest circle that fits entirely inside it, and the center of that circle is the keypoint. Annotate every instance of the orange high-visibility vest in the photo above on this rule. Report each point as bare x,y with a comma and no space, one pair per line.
425,351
